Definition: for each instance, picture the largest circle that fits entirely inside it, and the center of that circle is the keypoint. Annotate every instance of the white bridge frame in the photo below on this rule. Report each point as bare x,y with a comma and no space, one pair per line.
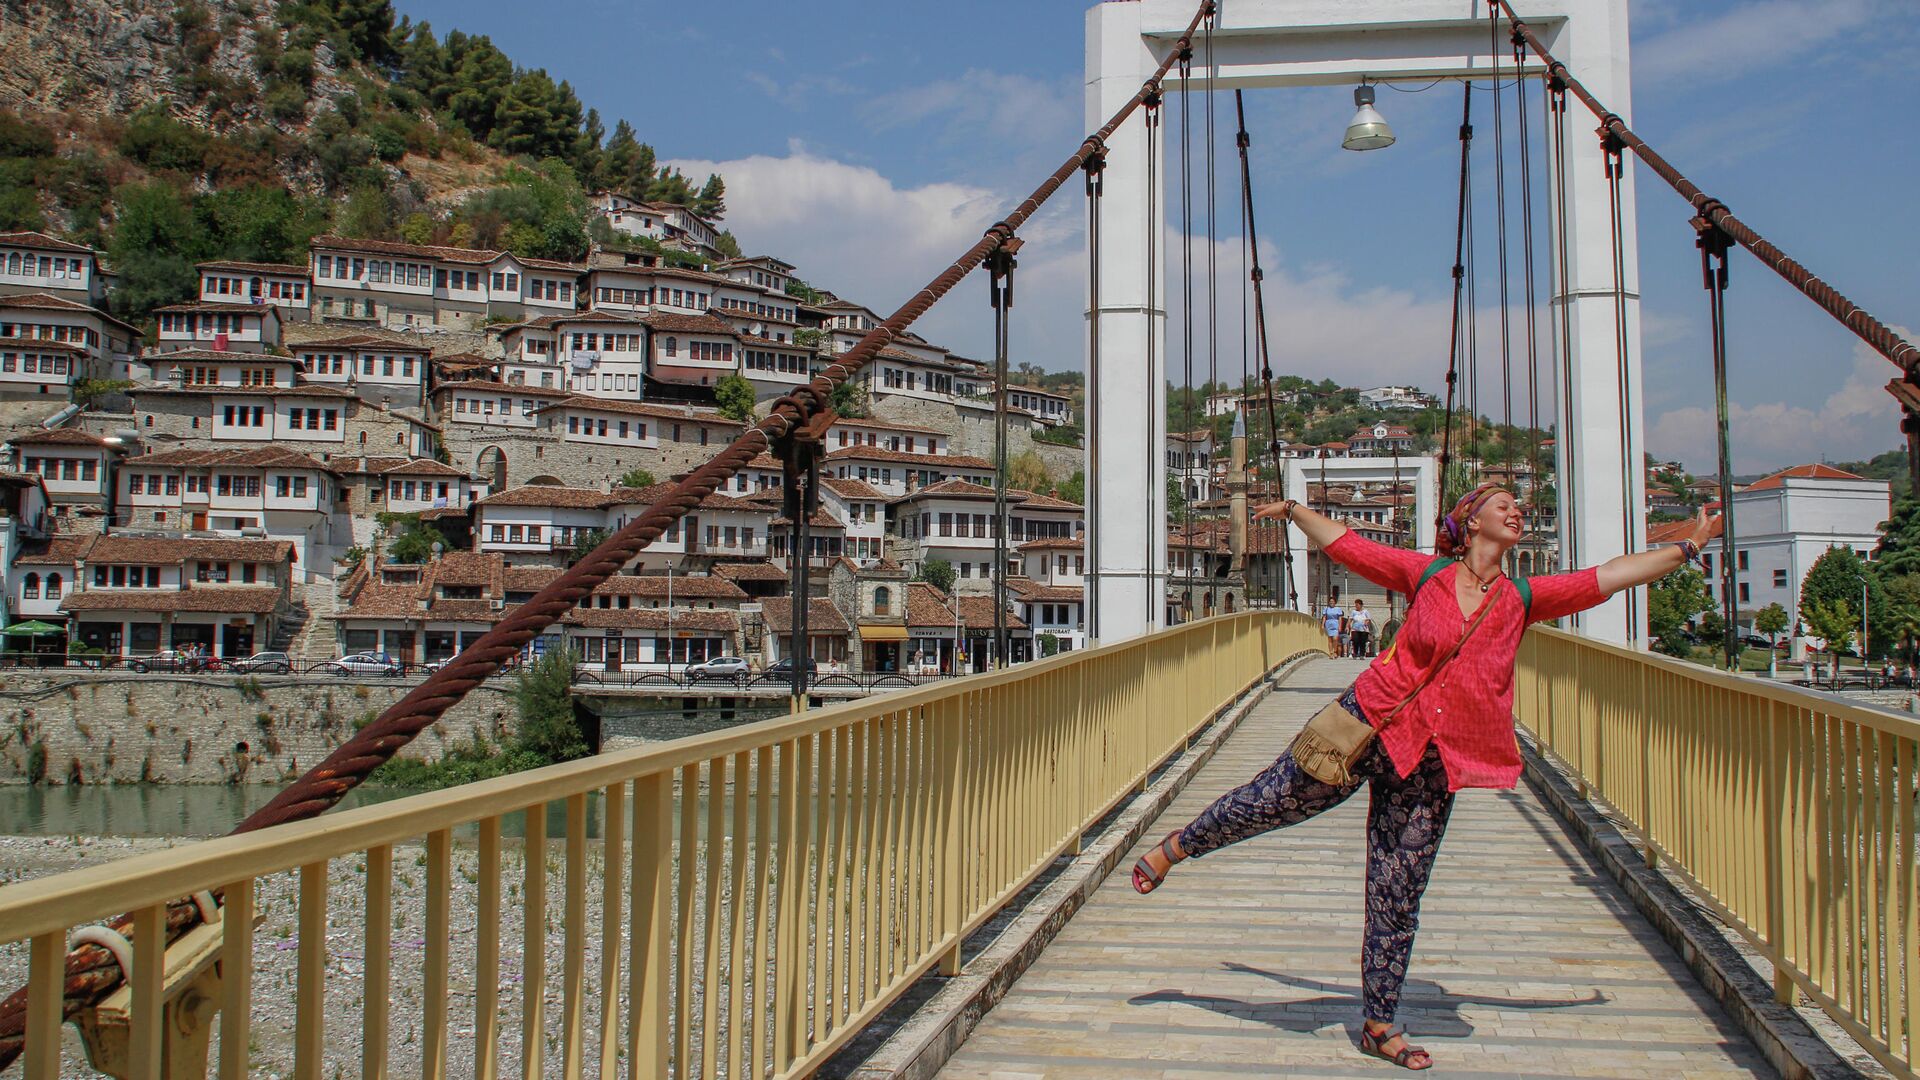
1301,43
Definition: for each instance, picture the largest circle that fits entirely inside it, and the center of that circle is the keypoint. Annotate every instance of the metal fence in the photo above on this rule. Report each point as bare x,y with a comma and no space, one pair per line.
763,892
1792,814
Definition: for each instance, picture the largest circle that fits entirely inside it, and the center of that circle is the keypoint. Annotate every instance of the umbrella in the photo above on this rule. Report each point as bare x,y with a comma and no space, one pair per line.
34,628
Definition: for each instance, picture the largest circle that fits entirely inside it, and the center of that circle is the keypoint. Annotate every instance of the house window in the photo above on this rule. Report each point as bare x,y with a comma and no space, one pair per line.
883,601
30,587
1779,579
54,586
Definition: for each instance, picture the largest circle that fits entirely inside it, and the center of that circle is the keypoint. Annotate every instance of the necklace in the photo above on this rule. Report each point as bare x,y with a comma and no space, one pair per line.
1485,583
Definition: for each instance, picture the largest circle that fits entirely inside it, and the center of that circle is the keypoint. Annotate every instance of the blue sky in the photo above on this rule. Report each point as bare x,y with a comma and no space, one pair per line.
870,142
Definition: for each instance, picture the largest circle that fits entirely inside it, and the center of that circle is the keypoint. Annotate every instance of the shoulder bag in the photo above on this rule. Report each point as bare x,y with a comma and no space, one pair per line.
1333,741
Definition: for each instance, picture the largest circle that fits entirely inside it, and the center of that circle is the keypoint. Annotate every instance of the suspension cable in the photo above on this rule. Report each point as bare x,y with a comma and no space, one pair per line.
1883,338
1454,337
1616,167
1186,322
1095,169
1256,276
1500,234
92,973
1527,274
1714,245
1000,267
1565,501
1154,447
1213,273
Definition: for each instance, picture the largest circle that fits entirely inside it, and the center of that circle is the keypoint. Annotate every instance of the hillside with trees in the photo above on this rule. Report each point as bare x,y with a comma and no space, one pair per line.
168,133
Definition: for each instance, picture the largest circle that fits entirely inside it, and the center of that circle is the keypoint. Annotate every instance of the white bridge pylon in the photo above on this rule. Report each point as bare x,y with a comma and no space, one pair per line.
1307,43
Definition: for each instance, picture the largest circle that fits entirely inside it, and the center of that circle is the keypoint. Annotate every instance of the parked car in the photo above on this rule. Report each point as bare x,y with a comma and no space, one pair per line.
365,663
720,667
784,666
262,663
168,660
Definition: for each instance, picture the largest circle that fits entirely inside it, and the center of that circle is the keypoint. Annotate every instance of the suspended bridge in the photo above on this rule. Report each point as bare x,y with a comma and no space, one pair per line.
1704,875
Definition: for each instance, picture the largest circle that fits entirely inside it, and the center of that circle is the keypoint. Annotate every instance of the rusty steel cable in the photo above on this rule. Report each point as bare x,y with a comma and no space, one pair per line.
92,972
1459,286
1256,275
1875,333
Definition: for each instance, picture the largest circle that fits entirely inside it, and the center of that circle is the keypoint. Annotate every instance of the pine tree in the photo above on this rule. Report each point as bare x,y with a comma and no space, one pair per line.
586,155
424,64
480,75
626,164
711,203
524,122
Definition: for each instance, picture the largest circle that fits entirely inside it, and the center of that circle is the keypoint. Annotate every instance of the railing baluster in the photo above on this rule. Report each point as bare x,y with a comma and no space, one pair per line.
785,889
821,792
712,854
846,758
46,985
236,980
1905,780
486,955
147,981
573,957
793,905
439,941
763,928
309,1006
533,946
376,982
686,860
737,970
649,1042
613,855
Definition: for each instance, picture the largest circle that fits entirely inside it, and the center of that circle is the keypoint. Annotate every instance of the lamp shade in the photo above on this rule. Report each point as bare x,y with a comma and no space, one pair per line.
1367,130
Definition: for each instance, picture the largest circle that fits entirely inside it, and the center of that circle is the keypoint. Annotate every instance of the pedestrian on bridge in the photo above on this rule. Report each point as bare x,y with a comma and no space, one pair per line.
1440,703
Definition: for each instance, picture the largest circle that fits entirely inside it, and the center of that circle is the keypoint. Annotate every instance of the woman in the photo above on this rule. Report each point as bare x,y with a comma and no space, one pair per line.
1433,740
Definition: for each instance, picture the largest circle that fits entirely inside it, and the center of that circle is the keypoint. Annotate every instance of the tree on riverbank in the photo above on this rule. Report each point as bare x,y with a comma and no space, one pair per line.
546,735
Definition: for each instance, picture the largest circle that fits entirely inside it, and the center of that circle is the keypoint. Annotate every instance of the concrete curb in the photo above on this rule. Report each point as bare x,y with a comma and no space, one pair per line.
932,1035
1724,966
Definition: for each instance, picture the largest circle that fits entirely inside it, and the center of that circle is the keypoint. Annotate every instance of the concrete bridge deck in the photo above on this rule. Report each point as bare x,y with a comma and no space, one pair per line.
1530,961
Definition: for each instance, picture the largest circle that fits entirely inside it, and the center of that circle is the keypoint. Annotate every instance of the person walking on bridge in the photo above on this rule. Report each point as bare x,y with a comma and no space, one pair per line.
1440,703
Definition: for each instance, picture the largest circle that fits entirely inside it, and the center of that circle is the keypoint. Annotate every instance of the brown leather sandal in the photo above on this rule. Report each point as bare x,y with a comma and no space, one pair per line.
1144,879
1370,1045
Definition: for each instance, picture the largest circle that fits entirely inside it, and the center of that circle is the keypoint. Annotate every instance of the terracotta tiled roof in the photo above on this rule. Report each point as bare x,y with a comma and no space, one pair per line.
263,457
464,256
543,495
1031,593
757,571
1670,532
820,520
481,611
361,341
822,616
852,489
1801,472
977,611
57,437
530,578
492,386
219,356
222,308
1054,543
641,408
719,620
62,549
928,606
288,269
40,241
647,496
376,600
482,568
685,587
405,467
667,322
208,390
956,489
875,453
49,302
1031,500
220,599
14,341
119,548
887,425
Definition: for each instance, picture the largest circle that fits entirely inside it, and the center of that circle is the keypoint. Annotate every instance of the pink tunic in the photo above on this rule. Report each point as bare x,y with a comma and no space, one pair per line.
1468,710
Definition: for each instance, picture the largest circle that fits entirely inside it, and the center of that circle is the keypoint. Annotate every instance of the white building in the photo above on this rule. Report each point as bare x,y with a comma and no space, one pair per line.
33,262
135,595
1782,524
287,495
485,403
221,327
109,343
897,472
213,367
1396,397
376,368
1380,440
75,468
1047,406
281,285
40,367
403,285
886,435
954,521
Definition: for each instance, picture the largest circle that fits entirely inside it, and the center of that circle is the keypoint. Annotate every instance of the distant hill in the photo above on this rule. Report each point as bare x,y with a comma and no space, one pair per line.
170,131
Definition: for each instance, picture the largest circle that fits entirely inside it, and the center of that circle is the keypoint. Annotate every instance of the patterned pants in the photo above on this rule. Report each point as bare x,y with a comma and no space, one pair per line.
1405,820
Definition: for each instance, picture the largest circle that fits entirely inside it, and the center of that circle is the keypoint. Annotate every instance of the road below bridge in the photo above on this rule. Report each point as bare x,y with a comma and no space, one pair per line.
1530,962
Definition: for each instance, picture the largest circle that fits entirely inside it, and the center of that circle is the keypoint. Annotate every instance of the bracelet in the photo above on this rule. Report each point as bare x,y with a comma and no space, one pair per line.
1291,505
1689,552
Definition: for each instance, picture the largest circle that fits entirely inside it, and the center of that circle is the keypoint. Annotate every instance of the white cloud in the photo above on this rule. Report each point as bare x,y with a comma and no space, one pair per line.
1857,420
1019,108
1745,38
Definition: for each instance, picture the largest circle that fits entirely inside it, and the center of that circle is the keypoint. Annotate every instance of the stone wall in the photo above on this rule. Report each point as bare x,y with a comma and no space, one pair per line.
971,430
123,728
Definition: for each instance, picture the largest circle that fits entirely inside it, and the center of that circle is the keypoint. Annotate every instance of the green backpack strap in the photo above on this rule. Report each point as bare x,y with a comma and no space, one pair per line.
1439,563
1522,585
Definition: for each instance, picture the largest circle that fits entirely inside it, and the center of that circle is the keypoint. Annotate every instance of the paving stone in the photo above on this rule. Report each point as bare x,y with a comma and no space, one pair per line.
1530,962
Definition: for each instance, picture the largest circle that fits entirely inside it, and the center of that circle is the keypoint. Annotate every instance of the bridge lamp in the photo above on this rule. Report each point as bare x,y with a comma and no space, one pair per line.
1368,130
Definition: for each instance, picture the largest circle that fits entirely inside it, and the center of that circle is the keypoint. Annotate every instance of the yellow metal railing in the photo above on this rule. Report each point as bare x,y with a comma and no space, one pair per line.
752,899
1791,813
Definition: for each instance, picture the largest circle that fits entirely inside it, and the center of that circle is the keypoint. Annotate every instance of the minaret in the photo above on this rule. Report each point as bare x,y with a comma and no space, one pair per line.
1237,490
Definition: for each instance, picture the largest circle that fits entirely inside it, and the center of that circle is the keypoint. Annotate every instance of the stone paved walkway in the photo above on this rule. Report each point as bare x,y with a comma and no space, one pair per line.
1530,963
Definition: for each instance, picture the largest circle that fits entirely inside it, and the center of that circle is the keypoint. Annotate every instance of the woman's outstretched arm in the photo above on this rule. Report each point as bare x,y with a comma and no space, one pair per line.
1642,567
1320,529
